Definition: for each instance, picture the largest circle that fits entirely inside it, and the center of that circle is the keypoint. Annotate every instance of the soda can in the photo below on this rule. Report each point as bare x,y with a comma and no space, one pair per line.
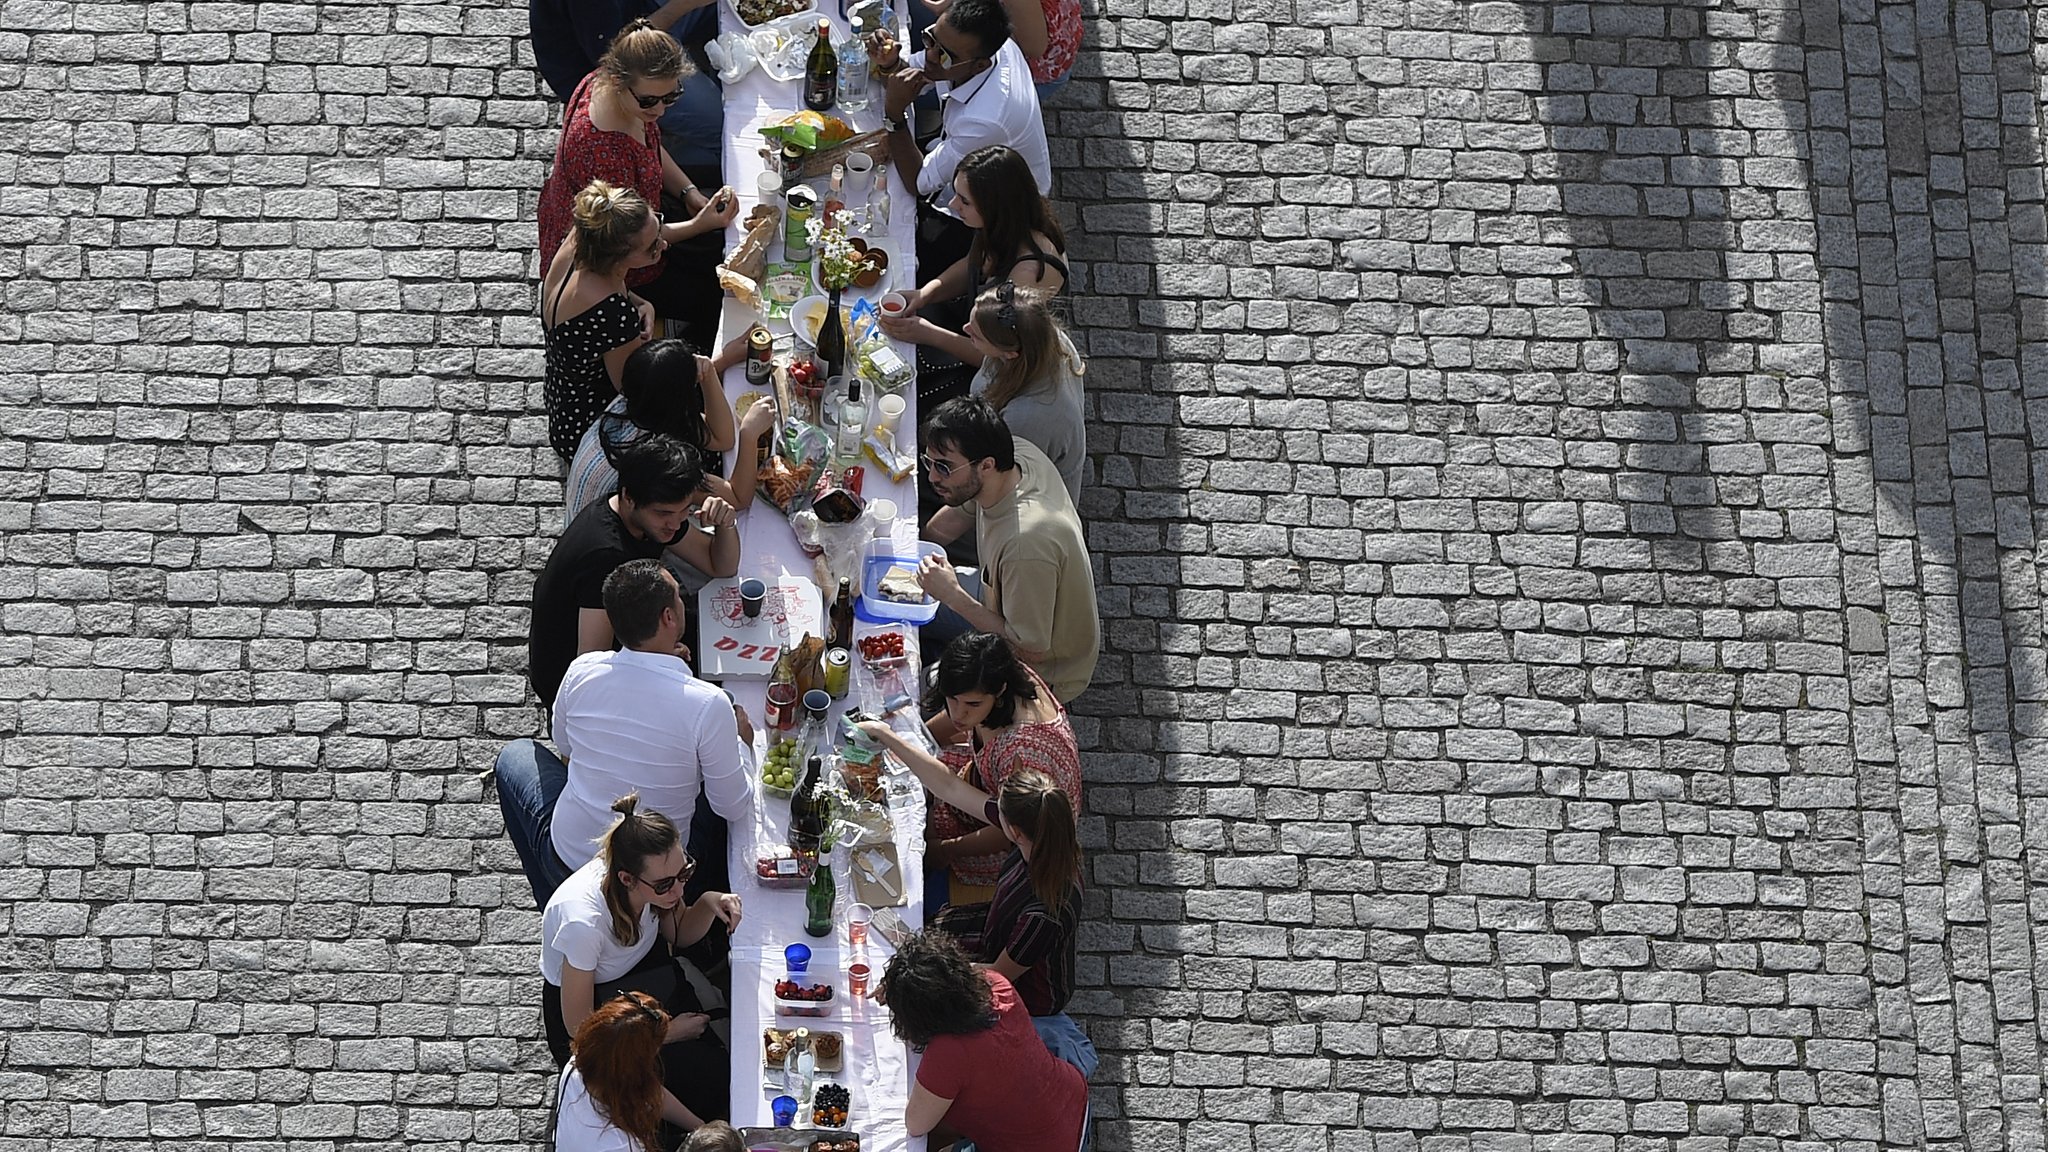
760,356
838,667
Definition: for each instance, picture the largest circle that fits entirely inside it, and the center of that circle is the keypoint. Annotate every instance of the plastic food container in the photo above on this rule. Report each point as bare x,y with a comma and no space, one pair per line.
820,973
876,560
785,872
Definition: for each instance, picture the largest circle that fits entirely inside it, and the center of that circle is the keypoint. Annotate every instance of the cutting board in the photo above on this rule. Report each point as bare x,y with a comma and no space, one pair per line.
734,646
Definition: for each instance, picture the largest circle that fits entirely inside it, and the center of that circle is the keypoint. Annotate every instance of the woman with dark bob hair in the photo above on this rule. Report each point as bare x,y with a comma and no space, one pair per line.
985,1074
992,717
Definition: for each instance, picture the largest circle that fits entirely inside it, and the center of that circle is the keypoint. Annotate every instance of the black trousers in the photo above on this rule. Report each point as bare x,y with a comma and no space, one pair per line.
697,1072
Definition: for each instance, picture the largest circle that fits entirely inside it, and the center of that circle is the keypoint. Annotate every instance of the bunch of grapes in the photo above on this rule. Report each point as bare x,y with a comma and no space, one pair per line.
779,770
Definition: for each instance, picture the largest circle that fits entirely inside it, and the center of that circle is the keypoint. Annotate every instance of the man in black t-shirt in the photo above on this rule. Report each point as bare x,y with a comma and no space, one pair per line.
660,486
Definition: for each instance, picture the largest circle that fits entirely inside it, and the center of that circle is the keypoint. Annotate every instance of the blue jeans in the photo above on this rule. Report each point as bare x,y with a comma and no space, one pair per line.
530,779
1046,89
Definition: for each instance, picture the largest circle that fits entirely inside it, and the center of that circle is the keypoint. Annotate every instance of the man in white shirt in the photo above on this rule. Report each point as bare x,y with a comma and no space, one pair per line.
986,97
638,720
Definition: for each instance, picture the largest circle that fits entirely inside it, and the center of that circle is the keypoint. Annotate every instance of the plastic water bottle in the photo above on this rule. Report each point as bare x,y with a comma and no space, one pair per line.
853,74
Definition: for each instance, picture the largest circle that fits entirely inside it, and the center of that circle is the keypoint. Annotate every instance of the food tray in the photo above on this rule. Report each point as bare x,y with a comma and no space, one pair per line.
880,662
870,893
800,1140
798,879
812,1007
767,11
837,1061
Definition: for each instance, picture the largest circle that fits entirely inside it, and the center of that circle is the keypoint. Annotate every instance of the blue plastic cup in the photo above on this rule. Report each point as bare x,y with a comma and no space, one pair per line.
785,1110
797,959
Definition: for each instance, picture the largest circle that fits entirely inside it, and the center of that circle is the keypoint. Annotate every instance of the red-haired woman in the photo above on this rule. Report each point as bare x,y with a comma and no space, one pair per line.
611,1092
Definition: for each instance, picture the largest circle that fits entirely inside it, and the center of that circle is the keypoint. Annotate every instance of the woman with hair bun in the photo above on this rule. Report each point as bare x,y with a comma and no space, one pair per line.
611,929
589,321
991,717
611,132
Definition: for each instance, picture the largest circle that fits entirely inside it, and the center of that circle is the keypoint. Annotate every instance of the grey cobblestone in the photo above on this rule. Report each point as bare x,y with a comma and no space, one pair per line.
1563,493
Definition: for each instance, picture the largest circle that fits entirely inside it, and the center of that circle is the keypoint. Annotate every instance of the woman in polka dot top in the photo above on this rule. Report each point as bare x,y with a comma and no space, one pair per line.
591,321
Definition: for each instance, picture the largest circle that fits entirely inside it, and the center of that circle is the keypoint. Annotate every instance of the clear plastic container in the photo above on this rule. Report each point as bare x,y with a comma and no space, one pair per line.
876,560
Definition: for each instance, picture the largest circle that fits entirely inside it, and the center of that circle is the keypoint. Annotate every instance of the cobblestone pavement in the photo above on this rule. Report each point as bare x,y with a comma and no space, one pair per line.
1563,491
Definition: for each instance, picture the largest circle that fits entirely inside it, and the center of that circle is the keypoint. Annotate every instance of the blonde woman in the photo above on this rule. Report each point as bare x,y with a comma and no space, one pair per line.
1031,373
590,319
611,132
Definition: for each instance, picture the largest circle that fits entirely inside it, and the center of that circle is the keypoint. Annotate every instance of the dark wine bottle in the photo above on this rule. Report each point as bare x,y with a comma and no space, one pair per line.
807,810
842,617
831,355
821,72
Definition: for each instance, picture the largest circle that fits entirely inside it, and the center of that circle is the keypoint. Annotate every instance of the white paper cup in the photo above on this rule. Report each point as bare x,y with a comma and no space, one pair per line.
768,185
893,303
884,513
891,407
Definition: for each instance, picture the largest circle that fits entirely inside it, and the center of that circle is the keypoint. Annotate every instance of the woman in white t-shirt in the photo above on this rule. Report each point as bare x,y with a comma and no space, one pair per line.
611,928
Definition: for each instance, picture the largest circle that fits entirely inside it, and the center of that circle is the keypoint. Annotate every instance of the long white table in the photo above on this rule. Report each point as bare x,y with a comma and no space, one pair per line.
877,1067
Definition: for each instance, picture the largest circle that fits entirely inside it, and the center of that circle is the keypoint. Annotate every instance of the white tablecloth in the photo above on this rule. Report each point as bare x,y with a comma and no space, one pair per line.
878,1068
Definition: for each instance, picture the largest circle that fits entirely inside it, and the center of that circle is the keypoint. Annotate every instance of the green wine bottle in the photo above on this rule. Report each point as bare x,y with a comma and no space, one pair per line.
819,897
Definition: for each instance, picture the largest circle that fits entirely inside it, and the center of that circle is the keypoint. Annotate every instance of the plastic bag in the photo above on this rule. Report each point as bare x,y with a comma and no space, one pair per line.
733,55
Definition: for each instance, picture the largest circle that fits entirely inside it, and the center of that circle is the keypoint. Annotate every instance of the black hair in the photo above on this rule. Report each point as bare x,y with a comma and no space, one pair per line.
982,662
984,20
935,990
659,383
658,469
635,595
971,427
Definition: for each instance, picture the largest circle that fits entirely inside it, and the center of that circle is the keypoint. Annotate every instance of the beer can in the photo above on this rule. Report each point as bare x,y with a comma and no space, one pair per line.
799,201
760,356
838,667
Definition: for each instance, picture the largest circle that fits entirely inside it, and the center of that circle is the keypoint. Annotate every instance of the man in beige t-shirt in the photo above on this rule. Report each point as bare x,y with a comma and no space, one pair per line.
1037,588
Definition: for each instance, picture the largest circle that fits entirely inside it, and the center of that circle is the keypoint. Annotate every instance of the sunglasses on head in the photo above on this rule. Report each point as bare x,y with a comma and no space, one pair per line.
661,887
664,99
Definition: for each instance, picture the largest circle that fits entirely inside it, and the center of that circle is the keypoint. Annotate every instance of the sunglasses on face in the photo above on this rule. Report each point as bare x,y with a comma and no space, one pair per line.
663,100
661,887
935,52
940,468
654,249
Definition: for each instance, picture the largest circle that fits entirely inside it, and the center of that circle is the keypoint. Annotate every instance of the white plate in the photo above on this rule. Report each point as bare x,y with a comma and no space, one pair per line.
807,315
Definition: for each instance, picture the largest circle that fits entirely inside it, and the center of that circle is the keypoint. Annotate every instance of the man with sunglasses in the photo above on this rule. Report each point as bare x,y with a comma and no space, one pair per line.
986,97
1038,587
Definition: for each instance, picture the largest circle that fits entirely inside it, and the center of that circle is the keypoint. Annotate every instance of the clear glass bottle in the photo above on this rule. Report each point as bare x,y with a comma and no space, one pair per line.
799,1069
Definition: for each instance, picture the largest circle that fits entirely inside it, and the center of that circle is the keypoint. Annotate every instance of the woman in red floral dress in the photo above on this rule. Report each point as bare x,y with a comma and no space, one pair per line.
612,133
992,717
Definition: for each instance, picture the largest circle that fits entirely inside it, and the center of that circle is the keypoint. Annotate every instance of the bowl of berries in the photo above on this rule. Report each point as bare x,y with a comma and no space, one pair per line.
796,998
829,1103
